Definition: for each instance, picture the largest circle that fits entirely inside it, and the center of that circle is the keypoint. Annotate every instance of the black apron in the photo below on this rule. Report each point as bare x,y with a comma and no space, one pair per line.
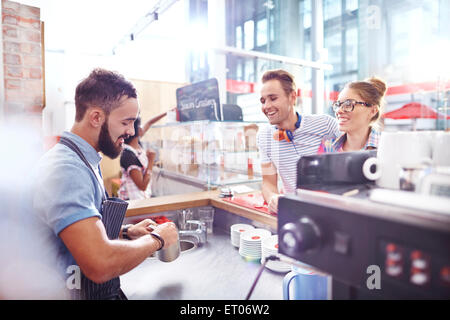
113,212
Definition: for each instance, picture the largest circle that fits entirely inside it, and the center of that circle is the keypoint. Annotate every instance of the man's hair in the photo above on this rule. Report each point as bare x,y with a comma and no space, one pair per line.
103,89
286,79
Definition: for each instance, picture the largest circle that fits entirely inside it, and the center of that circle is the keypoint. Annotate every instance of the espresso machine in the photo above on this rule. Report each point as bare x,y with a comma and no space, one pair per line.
371,249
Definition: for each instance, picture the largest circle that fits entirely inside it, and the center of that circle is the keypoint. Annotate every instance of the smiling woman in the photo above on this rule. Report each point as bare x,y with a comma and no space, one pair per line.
358,109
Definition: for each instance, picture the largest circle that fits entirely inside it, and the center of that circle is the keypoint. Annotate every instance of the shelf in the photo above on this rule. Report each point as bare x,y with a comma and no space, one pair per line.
208,154
209,176
206,122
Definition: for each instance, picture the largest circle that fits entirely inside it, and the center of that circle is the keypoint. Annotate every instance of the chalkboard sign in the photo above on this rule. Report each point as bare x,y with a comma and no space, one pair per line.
199,101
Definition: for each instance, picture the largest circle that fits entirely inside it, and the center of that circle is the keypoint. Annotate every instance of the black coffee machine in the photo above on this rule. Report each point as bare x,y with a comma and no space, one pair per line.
372,250
335,173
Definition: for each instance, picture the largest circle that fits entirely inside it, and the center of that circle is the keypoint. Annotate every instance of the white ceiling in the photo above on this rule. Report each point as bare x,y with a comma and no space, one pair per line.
91,26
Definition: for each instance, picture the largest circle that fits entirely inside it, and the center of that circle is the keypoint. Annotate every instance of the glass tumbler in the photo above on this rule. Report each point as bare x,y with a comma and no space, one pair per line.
206,214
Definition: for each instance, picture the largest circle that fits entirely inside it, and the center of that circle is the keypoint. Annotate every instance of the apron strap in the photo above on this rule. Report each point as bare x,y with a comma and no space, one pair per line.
68,143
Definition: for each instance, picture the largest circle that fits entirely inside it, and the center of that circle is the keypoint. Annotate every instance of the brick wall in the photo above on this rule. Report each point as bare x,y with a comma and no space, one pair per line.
22,59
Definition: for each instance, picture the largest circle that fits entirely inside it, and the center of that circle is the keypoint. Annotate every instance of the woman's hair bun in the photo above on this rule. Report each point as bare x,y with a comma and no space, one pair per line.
379,84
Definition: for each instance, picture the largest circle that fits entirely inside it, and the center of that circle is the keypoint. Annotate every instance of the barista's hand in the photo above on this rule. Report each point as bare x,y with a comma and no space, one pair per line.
168,231
140,228
273,203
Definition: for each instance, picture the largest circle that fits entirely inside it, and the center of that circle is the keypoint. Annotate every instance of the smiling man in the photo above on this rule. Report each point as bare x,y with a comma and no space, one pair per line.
80,226
288,137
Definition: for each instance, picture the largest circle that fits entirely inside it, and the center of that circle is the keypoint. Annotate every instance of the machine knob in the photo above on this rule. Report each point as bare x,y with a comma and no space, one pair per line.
300,236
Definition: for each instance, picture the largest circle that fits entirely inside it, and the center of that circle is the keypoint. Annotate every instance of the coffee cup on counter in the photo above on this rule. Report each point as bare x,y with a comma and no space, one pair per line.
397,150
307,284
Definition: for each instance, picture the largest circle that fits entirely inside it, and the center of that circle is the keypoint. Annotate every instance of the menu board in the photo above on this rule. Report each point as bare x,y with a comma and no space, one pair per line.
199,101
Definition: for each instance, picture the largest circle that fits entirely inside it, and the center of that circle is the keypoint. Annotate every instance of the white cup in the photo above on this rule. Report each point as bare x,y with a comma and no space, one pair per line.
398,149
441,149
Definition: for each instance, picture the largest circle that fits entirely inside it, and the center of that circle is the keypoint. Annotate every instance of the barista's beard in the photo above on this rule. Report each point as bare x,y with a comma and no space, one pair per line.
105,143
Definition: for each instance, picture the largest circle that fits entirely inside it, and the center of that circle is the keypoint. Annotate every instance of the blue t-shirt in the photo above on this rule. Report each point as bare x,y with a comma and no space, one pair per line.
64,191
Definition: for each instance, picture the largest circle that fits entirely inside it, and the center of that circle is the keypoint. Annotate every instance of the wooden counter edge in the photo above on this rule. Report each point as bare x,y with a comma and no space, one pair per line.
244,212
195,199
169,203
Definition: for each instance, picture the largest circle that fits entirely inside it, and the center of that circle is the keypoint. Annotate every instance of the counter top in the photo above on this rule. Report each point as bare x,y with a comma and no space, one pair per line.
196,199
213,175
214,271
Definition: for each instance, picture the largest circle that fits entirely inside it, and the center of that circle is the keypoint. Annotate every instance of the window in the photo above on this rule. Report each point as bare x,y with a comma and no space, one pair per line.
406,35
249,70
351,5
239,43
261,32
239,75
351,49
331,9
333,42
306,14
249,35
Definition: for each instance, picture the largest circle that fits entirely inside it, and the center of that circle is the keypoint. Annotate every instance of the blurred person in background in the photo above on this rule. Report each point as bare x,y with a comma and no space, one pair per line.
80,226
26,271
358,109
288,137
136,163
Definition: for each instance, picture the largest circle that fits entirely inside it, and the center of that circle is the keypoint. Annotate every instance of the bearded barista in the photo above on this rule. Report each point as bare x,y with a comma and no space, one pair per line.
68,197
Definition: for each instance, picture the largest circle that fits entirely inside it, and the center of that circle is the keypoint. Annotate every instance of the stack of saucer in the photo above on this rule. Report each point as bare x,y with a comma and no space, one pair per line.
237,230
250,247
269,248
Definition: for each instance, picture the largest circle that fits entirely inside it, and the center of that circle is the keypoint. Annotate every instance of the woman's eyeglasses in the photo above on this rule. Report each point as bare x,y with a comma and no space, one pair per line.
348,105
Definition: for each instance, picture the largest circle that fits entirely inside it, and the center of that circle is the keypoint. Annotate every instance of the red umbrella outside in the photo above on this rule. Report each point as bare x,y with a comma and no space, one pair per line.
415,110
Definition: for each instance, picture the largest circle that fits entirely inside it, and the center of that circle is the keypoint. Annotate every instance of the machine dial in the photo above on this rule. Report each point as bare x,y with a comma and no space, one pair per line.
300,236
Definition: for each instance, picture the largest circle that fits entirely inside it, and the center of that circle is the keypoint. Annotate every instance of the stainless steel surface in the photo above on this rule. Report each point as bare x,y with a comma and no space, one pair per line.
186,245
214,271
410,176
182,217
200,233
169,253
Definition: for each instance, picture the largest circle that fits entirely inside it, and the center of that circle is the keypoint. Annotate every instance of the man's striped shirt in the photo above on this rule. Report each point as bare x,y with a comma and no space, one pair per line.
285,155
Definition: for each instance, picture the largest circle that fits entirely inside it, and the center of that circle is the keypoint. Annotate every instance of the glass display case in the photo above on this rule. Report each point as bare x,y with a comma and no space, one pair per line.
205,153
